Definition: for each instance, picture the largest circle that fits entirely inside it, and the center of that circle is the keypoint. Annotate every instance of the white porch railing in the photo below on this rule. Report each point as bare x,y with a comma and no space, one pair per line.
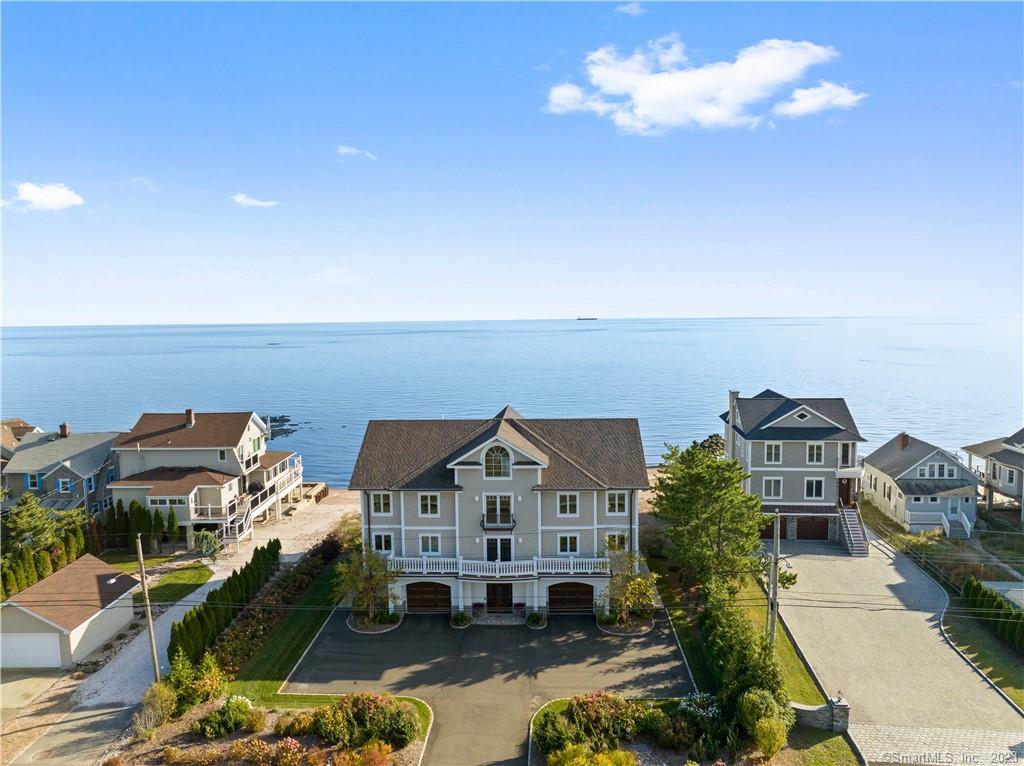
518,568
967,523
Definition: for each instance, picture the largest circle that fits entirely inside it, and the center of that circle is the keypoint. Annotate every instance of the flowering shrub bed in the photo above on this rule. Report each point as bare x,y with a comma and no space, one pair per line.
244,636
354,720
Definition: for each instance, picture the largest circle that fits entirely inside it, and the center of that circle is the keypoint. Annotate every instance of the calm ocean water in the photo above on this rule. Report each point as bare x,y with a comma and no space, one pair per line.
928,376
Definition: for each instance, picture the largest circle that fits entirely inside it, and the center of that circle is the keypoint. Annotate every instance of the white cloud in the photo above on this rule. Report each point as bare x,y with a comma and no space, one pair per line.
352,152
246,201
632,9
656,88
826,95
144,183
32,196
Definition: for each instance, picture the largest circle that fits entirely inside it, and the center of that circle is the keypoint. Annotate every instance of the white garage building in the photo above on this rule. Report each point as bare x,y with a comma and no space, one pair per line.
66,617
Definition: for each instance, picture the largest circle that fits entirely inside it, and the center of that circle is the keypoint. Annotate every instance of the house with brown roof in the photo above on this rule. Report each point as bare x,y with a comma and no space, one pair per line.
11,431
503,514
801,456
64,618
213,468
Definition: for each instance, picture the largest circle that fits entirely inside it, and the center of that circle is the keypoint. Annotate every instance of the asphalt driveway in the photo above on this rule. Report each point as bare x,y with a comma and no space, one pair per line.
870,628
484,683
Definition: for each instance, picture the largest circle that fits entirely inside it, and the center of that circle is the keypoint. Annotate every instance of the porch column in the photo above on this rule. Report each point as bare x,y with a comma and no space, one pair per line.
536,602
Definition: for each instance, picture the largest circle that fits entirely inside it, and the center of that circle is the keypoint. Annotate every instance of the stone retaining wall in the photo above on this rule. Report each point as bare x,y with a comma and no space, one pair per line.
832,716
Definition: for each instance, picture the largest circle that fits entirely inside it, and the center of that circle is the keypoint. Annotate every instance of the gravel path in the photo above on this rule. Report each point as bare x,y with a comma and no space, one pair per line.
104,701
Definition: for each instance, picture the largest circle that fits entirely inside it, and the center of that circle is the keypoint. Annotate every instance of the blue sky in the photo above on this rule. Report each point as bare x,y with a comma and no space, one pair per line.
868,162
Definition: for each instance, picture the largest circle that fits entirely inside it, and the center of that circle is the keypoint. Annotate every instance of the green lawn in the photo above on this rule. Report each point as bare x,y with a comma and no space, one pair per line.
814,747
684,621
997,660
263,675
127,561
177,584
799,682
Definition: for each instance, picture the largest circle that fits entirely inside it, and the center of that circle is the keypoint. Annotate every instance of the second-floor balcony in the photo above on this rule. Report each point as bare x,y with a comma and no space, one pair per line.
504,521
570,565
254,503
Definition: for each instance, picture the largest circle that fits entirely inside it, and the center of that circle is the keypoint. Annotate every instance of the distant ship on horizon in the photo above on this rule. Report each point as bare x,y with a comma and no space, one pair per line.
586,319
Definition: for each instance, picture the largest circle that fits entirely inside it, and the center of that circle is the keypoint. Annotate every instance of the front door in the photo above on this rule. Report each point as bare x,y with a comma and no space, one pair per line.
499,548
844,491
954,506
499,597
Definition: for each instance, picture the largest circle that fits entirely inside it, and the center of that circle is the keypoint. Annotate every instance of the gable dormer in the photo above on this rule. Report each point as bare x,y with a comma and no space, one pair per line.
801,417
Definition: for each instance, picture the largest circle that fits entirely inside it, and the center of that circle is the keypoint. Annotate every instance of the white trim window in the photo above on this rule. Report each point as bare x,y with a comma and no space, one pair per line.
616,503
1011,476
384,542
497,463
616,542
922,472
33,481
222,455
498,509
63,485
801,416
380,503
916,499
568,545
90,483
773,453
430,505
771,488
568,504
933,499
814,489
430,545
815,453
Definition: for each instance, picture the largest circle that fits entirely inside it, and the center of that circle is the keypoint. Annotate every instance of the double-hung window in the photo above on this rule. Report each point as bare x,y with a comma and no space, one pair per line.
814,489
430,545
772,453
64,485
1011,476
616,503
429,505
382,543
922,472
222,455
772,488
380,503
568,545
90,483
940,470
815,454
615,541
568,504
33,481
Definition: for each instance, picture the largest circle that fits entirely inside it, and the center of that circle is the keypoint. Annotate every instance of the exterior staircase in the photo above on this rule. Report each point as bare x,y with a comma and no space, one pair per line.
854,536
957,531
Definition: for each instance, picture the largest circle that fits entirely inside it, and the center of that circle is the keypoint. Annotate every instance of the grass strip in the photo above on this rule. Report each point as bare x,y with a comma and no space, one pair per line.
997,660
128,561
684,621
175,585
795,673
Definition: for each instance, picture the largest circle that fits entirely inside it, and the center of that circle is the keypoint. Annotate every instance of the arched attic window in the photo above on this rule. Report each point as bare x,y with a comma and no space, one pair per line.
497,463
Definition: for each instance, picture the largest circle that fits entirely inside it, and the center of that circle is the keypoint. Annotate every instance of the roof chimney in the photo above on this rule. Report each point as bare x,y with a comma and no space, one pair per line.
190,418
65,430
730,442
904,440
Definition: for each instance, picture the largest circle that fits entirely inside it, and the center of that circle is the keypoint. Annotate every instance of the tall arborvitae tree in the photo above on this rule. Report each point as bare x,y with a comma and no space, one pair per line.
18,570
158,530
110,527
44,566
28,565
123,526
9,580
146,528
172,527
80,537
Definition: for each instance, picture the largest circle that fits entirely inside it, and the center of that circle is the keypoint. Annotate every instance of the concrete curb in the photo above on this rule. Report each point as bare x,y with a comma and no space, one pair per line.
529,733
349,623
889,550
430,727
644,632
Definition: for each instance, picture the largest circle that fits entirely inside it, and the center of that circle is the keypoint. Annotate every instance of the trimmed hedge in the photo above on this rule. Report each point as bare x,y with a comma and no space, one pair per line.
197,631
1002,619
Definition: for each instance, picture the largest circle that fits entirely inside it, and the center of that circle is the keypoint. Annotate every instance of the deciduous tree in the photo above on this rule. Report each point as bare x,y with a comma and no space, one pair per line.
365,577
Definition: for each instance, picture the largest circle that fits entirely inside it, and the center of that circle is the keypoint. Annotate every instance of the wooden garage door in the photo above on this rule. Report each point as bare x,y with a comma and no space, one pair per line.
812,528
571,597
428,597
30,650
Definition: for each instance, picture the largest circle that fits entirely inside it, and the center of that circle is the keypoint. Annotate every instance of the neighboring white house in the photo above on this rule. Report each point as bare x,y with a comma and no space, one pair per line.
921,486
500,514
801,455
64,618
213,468
1002,468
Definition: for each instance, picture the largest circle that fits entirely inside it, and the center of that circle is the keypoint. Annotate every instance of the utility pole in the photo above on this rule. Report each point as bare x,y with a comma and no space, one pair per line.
149,612
773,595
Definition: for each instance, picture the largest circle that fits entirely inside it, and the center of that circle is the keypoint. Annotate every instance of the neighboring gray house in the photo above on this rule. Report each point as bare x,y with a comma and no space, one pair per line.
500,514
63,469
921,486
801,455
64,618
213,468
1002,467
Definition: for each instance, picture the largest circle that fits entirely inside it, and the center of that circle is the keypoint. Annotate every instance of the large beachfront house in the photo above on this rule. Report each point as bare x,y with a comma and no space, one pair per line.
1002,468
500,514
921,486
802,458
213,468
63,469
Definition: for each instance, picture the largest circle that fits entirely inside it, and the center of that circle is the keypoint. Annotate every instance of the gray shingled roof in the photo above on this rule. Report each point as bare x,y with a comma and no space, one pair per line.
931,486
85,453
768,406
583,453
892,461
996,450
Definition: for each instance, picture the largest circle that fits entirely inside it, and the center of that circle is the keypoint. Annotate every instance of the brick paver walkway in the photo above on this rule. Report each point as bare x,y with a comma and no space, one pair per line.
923,746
